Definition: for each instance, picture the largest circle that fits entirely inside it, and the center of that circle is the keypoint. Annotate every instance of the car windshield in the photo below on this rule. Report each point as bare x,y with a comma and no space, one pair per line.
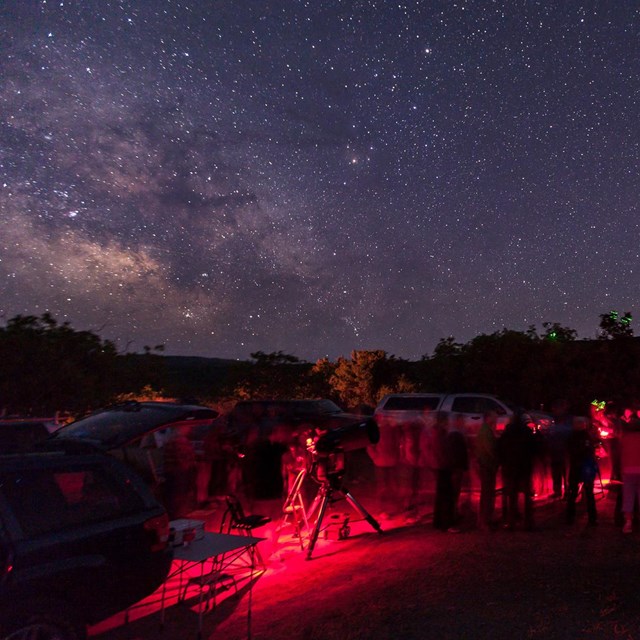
315,407
412,403
252,410
120,424
22,435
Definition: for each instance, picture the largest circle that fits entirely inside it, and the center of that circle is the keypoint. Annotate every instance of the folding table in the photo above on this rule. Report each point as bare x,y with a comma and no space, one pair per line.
222,549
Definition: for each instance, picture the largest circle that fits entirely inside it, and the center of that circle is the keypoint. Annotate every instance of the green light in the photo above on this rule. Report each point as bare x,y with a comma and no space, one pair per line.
599,404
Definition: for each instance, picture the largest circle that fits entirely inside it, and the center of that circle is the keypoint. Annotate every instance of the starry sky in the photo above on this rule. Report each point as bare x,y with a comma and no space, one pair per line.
223,177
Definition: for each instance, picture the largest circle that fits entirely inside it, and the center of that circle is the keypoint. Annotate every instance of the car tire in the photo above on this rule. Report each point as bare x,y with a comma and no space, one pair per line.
48,622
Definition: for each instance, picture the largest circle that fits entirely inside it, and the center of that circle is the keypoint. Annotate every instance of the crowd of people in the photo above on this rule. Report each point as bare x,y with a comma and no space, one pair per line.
507,462
262,465
515,462
571,450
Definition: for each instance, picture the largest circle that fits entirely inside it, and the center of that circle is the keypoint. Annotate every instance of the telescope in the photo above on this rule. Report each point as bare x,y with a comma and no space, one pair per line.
348,438
327,451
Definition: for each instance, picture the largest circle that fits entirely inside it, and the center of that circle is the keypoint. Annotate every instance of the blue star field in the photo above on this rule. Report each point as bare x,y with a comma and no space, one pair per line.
316,177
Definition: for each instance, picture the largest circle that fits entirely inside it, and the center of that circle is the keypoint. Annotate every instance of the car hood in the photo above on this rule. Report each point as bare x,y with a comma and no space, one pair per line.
120,424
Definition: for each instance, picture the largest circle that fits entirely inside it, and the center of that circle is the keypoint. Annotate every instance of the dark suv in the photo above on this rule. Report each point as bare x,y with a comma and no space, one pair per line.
136,432
293,414
81,538
21,434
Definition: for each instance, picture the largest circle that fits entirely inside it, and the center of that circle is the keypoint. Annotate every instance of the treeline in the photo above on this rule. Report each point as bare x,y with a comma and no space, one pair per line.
46,367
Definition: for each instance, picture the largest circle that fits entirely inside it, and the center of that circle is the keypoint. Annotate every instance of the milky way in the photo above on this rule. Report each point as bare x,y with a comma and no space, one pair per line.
316,177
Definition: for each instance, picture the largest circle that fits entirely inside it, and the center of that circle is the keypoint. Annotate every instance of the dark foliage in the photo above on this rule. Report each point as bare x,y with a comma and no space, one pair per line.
46,366
533,370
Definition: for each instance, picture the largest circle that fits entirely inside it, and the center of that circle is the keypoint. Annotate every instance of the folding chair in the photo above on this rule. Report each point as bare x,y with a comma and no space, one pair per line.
235,518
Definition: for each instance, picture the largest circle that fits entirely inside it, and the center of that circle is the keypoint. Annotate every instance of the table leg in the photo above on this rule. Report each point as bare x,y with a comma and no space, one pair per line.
164,591
200,601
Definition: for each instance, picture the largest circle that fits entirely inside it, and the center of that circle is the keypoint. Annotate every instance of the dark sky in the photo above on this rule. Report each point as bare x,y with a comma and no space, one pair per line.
223,177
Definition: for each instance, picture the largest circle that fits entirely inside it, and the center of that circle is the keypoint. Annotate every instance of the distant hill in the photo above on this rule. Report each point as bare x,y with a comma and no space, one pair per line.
197,377
182,362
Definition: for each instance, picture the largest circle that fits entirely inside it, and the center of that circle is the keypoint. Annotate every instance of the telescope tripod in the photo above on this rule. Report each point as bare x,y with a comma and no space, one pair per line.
329,487
293,509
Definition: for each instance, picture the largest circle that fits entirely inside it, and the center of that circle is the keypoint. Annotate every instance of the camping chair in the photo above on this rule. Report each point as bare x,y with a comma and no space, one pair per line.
234,517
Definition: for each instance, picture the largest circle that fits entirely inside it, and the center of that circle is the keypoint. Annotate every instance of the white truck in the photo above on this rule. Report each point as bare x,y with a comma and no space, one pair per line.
397,408
405,421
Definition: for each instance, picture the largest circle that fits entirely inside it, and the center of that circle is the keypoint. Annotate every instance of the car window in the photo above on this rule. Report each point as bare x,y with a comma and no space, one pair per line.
17,437
46,500
122,423
464,404
315,407
412,403
491,405
476,404
268,413
110,425
261,409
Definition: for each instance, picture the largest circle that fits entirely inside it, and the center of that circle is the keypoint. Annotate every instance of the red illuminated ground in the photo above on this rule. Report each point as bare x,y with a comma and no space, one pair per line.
415,583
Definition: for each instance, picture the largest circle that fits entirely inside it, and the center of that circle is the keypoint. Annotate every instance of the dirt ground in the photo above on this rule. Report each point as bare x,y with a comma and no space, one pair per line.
413,582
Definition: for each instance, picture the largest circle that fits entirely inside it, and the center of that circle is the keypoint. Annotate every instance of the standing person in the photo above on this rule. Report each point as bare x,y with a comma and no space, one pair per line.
583,468
385,455
294,459
517,447
411,437
180,473
557,446
612,424
456,444
487,457
630,464
444,504
215,454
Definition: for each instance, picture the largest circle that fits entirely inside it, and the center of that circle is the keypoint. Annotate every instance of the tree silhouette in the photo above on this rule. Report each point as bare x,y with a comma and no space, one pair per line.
612,326
46,366
356,380
275,375
555,332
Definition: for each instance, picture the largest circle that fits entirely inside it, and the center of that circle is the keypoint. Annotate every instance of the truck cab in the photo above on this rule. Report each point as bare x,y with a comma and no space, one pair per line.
465,410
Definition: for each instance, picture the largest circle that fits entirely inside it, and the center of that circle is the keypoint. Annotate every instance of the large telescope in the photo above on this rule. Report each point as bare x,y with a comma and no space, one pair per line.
348,438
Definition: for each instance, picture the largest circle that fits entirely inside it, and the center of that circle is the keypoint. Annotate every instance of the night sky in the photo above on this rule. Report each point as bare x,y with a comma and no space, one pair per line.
223,177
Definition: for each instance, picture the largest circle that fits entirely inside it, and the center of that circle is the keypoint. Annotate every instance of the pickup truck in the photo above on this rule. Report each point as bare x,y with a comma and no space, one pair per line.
405,421
406,407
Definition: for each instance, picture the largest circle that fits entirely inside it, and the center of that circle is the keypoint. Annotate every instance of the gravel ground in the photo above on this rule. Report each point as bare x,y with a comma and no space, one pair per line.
414,583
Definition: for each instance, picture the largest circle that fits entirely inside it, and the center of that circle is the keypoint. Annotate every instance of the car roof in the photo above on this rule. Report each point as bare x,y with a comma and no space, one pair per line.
15,421
120,424
304,407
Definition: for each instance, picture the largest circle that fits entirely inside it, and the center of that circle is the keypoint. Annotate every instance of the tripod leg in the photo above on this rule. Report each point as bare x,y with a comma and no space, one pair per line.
315,504
600,481
325,495
362,511
291,507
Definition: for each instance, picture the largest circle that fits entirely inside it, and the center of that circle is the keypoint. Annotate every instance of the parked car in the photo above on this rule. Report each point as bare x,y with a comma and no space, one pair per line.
135,432
21,434
260,431
290,414
404,408
81,538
